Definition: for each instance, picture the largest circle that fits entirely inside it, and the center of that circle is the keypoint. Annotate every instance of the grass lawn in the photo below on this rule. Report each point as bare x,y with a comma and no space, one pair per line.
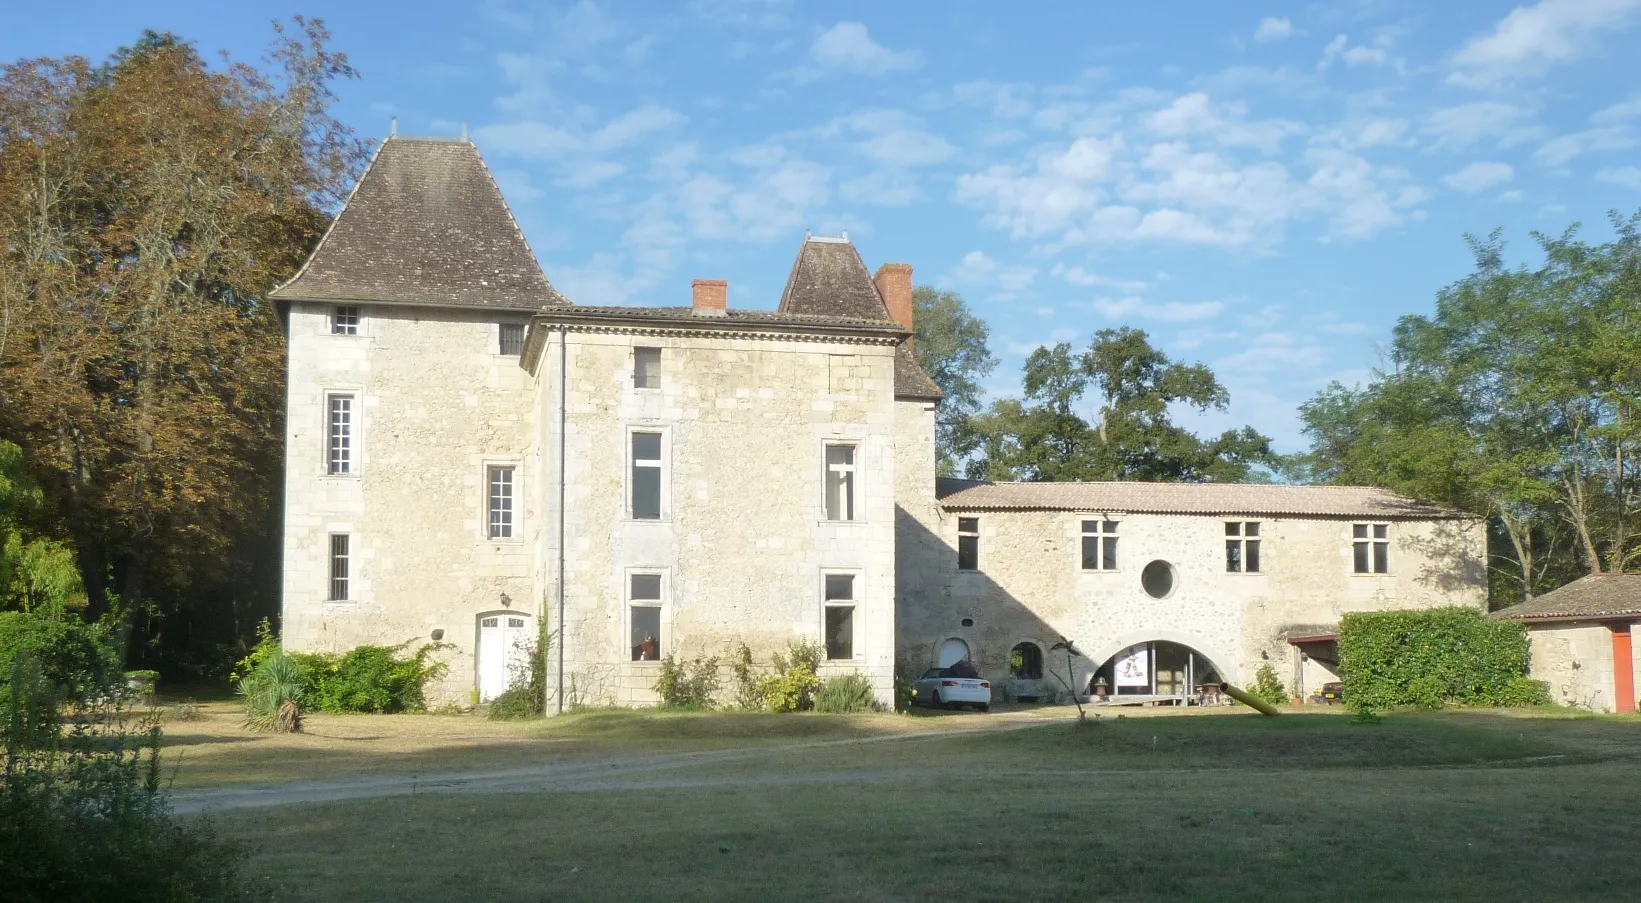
1454,806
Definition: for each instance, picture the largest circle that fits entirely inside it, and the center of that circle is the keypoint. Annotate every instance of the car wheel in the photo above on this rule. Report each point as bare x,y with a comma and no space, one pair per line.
934,701
984,707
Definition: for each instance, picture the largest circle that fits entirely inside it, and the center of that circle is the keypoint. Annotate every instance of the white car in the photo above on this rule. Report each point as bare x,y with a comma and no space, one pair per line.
938,687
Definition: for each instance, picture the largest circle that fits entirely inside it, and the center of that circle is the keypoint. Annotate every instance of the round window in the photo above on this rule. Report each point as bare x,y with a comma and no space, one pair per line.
1158,579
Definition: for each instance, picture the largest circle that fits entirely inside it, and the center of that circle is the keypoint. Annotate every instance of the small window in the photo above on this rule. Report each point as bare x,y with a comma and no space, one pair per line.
840,482
344,321
644,598
1158,579
646,368
1026,662
840,616
1242,547
968,543
338,567
1371,547
501,503
490,622
646,476
512,339
339,434
1099,545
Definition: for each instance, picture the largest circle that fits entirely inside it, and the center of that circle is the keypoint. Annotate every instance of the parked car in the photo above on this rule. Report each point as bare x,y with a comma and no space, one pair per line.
944,689
1333,693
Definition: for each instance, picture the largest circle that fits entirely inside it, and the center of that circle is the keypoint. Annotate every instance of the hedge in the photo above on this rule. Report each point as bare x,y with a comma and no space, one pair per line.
1435,657
76,657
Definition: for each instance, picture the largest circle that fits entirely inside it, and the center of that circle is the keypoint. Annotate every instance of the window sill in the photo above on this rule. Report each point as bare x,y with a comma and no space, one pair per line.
341,476
823,522
1386,574
646,520
648,664
513,541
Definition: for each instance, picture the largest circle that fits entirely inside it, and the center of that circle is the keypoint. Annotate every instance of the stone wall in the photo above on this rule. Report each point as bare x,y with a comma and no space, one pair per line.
437,403
1576,660
1030,587
743,541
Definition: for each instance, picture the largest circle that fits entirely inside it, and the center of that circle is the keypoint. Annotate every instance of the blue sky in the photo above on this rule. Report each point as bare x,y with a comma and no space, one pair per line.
1263,187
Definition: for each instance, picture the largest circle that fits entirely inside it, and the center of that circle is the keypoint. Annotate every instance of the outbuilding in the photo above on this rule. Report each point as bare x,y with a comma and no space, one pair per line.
1579,640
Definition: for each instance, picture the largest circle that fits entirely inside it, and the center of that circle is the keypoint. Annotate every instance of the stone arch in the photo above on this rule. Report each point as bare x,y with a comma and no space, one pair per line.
1220,658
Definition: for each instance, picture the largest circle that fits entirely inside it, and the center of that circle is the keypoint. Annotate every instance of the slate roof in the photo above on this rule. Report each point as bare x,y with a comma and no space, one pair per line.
1597,597
1187,498
425,225
733,315
829,279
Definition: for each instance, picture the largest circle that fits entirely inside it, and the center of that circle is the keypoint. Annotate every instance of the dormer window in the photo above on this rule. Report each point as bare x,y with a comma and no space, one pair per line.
344,321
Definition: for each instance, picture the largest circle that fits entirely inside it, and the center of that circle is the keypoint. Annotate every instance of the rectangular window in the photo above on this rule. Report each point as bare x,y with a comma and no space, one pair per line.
644,600
338,567
840,616
1242,547
840,482
339,433
344,321
501,503
1099,545
646,368
646,476
968,543
1371,544
512,339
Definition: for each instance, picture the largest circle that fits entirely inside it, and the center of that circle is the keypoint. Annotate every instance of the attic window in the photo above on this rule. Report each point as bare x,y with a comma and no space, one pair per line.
646,368
512,339
344,321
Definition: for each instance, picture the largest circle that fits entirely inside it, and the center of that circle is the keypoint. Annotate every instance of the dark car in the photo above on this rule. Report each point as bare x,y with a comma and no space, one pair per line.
1333,692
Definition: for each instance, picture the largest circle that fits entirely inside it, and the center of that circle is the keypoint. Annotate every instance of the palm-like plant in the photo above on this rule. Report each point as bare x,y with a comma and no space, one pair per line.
272,696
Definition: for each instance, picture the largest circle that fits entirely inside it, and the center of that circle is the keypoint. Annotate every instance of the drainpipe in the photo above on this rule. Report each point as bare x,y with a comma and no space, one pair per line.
563,382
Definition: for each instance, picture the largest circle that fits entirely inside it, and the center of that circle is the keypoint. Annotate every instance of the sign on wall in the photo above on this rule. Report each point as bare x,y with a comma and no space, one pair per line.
1133,667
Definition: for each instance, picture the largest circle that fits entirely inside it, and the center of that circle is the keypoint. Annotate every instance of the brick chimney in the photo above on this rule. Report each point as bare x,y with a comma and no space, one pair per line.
711,297
894,283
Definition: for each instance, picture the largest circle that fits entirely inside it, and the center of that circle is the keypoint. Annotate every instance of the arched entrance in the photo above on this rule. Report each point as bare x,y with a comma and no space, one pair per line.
1159,671
952,651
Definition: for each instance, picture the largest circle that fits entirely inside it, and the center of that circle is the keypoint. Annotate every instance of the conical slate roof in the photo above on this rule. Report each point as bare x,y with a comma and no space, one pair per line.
425,225
829,279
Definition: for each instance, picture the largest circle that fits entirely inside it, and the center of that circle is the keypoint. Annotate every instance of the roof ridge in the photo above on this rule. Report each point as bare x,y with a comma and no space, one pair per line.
314,254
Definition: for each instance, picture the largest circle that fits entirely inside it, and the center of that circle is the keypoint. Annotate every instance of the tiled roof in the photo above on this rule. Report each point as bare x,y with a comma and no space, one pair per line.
829,279
1595,597
425,225
734,315
1186,498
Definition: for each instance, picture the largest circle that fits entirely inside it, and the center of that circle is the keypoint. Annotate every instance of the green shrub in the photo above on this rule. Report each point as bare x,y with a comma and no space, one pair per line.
83,813
1433,657
745,681
687,685
1268,687
792,686
368,679
272,696
267,646
846,693
77,658
1524,690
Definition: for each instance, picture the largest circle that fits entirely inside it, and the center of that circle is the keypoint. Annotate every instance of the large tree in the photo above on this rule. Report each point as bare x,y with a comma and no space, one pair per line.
1131,435
147,205
1516,399
950,345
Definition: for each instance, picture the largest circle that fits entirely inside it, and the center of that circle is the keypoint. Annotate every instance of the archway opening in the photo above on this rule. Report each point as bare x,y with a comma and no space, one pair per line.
1160,672
952,651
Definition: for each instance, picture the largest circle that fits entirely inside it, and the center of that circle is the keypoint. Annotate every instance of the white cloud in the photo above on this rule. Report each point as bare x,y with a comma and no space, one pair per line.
848,47
1480,177
1561,151
1459,127
1618,112
1077,276
1048,196
1532,38
1005,101
1134,307
882,189
772,203
1340,48
1197,114
976,268
1273,29
1625,176
516,185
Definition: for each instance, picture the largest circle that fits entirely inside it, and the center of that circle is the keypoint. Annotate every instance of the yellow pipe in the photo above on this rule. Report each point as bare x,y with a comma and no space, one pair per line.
1248,699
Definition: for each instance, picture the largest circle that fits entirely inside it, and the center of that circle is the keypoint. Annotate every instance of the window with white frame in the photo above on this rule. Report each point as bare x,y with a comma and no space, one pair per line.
1371,548
1242,547
968,543
340,559
644,608
1099,545
840,482
839,603
500,502
339,434
344,321
511,338
646,368
646,476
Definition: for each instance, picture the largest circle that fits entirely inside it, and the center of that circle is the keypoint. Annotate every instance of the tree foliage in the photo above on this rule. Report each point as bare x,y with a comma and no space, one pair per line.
1516,399
950,345
1131,436
147,205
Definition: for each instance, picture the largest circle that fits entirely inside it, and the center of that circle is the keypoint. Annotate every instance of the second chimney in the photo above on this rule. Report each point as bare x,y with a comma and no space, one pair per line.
710,298
894,283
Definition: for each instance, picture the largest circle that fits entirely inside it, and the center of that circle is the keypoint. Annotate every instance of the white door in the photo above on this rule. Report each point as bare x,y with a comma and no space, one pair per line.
952,651
504,653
